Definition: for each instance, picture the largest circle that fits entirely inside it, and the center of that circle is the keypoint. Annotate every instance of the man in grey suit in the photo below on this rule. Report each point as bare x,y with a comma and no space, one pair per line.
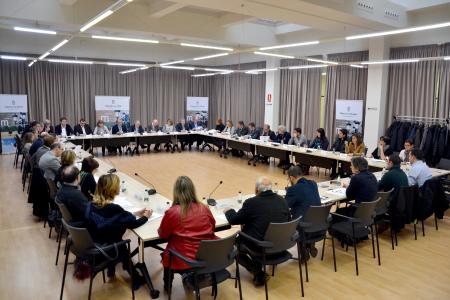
50,161
48,140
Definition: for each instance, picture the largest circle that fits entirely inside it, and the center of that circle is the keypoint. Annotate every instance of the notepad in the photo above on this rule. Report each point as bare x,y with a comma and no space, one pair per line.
125,204
338,191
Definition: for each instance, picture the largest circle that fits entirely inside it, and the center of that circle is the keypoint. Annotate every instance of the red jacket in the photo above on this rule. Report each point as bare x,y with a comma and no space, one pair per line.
184,236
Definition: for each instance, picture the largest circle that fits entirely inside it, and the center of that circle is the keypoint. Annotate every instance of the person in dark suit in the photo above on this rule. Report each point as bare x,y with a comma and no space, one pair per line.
282,136
338,146
384,150
255,215
118,129
82,128
321,140
267,132
253,132
69,194
87,181
154,127
137,127
63,128
241,129
394,178
220,126
302,194
184,140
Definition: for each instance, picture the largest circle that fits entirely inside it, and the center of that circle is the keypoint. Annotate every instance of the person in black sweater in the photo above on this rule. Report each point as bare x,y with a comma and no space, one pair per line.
384,150
255,215
63,128
219,125
87,181
338,146
119,220
70,195
82,128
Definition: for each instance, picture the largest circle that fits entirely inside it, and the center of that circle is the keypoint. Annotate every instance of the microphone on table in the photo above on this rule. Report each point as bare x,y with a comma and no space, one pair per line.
151,191
210,200
113,170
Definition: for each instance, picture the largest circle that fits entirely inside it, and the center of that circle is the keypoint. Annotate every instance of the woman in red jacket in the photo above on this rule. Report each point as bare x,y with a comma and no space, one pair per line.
184,225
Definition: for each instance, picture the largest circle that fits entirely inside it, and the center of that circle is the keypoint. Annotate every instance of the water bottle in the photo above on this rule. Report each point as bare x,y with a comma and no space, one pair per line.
145,197
276,187
239,200
334,150
123,187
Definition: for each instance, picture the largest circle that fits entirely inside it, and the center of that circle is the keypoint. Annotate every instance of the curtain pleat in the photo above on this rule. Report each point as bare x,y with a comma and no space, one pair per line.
444,86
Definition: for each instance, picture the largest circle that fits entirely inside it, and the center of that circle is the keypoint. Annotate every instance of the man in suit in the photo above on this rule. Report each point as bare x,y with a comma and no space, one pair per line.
119,128
70,195
302,194
253,132
282,135
184,140
269,133
394,178
255,215
47,141
50,162
154,127
63,129
241,129
137,128
82,128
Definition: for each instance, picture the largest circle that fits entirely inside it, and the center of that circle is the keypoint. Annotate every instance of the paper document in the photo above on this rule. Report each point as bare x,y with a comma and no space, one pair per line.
338,191
125,204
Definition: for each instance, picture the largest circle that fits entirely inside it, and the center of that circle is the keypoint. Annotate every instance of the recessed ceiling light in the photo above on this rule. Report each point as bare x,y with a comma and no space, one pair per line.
112,63
128,71
13,57
307,67
259,71
178,67
218,70
204,75
62,43
44,55
322,61
397,61
172,63
357,66
32,63
70,61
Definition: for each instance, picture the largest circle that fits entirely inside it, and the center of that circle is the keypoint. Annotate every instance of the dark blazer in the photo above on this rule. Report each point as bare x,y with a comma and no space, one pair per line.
220,127
241,131
115,129
192,124
58,129
258,212
283,138
322,143
74,200
270,134
140,129
36,145
301,196
155,129
363,187
387,152
79,131
187,126
87,184
339,145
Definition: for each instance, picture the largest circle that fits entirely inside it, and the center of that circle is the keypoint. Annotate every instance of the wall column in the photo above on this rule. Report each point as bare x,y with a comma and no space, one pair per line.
272,96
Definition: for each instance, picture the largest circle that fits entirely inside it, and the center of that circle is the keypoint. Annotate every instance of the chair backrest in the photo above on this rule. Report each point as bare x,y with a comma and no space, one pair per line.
365,211
383,204
317,216
52,188
281,235
81,239
217,254
67,216
18,141
444,164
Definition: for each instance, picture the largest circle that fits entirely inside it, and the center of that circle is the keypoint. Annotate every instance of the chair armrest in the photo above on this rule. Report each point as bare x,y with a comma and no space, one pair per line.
304,224
190,262
263,244
351,219
295,236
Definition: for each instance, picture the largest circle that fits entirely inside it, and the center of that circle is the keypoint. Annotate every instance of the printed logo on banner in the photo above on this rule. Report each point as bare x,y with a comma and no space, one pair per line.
197,107
109,108
349,115
13,119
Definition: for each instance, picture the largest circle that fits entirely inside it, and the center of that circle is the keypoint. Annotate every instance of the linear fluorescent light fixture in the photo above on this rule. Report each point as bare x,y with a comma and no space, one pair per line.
62,43
398,31
13,57
447,58
111,63
290,45
96,20
32,63
172,63
322,61
273,54
70,61
218,70
34,30
397,61
357,66
178,68
211,56
128,71
124,39
206,46
307,67
204,75
259,71
44,55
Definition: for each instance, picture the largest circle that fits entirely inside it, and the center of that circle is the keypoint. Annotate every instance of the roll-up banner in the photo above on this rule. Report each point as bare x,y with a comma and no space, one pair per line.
349,115
109,108
197,106
13,118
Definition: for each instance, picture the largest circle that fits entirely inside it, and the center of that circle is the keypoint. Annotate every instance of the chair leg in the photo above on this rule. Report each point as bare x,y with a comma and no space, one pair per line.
64,273
423,229
273,270
50,232
392,237
238,278
300,270
323,247
356,251
59,244
415,232
103,275
396,241
436,222
265,281
373,242
90,285
197,289
378,245
334,254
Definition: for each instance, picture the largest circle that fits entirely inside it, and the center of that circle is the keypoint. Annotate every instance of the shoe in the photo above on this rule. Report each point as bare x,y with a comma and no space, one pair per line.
313,251
260,279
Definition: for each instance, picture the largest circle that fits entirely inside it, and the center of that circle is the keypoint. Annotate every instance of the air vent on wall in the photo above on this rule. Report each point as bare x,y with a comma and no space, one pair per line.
391,13
366,5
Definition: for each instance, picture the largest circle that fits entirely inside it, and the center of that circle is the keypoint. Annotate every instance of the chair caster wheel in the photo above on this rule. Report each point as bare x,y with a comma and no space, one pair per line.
154,294
254,165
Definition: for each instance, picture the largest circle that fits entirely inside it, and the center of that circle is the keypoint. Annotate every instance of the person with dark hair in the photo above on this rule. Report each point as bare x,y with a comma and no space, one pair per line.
298,139
119,128
48,127
419,172
394,178
70,195
27,141
50,162
253,132
241,129
282,136
87,181
268,132
219,125
47,141
404,154
383,151
82,128
63,129
339,146
320,141
356,146
38,142
363,185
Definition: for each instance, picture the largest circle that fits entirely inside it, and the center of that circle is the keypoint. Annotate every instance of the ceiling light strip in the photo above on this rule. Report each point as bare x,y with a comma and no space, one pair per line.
322,61
206,46
124,39
307,67
204,75
32,63
62,43
211,56
95,20
172,63
397,61
290,45
357,66
218,70
34,30
274,54
178,68
111,63
70,61
13,57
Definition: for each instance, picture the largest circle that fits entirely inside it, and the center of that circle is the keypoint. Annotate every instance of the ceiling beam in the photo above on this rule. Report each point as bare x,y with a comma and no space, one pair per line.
163,8
230,19
68,2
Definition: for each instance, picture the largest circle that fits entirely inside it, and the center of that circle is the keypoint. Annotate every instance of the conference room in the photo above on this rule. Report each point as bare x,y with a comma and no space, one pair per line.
185,149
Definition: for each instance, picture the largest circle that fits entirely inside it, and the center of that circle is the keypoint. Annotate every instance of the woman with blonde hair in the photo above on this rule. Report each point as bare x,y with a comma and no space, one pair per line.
118,219
184,225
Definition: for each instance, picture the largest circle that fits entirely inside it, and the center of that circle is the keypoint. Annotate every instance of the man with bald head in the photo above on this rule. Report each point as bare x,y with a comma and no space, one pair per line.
255,216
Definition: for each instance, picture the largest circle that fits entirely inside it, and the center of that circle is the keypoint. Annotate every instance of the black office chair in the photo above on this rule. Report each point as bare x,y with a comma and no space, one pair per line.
408,200
382,215
99,257
356,227
19,149
213,257
444,164
430,199
313,228
67,217
278,239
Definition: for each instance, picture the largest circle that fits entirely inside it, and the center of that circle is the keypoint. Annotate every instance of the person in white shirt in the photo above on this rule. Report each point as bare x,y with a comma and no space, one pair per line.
419,172
404,154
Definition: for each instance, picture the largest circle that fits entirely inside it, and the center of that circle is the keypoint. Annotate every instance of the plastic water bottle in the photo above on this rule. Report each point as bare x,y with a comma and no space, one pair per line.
239,200
123,187
145,197
276,187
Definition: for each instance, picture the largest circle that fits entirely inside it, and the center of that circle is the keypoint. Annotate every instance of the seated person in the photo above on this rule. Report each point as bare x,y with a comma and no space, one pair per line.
339,146
27,141
219,125
154,127
253,132
298,138
394,178
187,222
108,188
47,141
82,128
356,146
196,124
267,132
137,127
119,128
101,129
63,129
70,195
320,141
229,128
255,215
37,143
383,150
68,158
50,162
282,136
89,167
186,140
168,128
302,194
47,126
182,126
419,172
241,129
404,154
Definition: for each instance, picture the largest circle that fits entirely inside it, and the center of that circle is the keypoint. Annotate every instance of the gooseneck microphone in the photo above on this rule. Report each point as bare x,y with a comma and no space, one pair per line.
210,200
151,191
113,170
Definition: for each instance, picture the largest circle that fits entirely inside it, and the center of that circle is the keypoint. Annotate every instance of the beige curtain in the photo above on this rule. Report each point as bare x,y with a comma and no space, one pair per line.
300,97
343,82
444,85
411,86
